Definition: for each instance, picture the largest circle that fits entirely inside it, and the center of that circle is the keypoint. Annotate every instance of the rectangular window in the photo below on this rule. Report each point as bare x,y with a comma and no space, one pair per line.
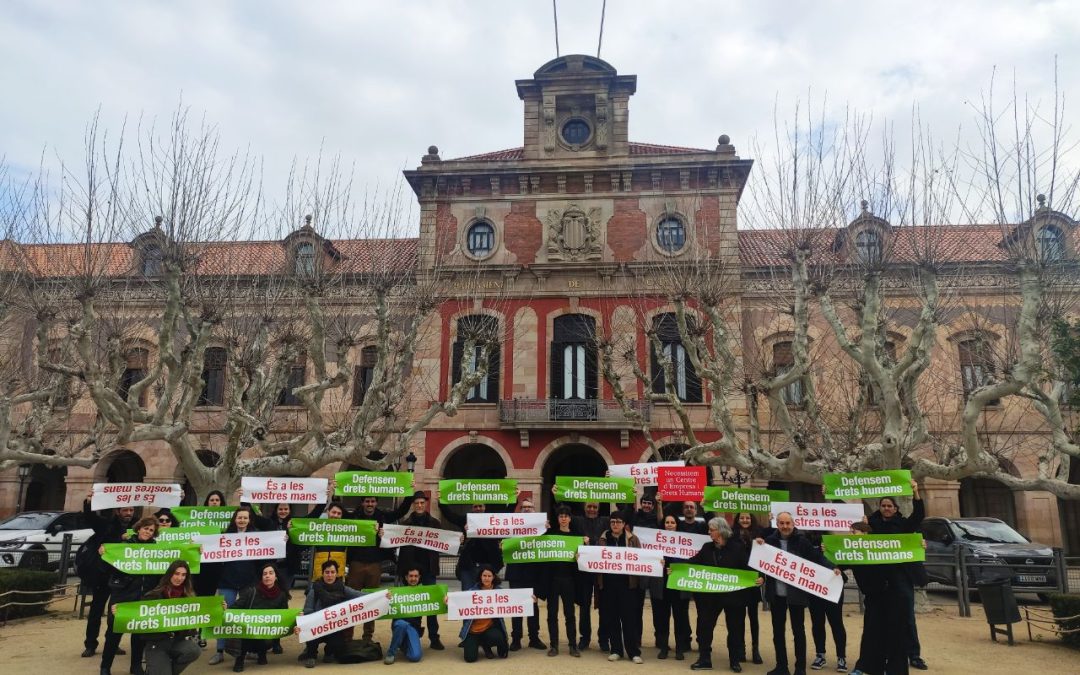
213,376
363,374
135,371
783,362
297,375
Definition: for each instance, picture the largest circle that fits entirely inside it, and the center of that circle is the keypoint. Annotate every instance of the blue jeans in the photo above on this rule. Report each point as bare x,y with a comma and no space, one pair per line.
230,597
403,635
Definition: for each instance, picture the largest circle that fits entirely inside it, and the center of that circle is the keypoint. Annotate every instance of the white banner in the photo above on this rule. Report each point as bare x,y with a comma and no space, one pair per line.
825,517
114,495
504,602
242,546
620,560
502,525
797,572
671,544
645,473
283,490
342,615
443,541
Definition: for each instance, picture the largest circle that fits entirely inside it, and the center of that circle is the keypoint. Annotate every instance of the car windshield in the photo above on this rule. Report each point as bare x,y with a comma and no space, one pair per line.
983,530
28,521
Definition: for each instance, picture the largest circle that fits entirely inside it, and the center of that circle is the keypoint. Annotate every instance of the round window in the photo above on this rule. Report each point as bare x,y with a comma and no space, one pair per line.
480,239
671,234
576,132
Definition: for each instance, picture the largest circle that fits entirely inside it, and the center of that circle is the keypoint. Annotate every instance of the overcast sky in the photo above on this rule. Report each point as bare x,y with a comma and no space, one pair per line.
378,82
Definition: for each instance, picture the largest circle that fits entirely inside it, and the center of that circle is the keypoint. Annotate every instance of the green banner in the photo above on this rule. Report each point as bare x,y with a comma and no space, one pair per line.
706,579
548,548
166,616
150,558
592,489
410,601
332,532
253,624
373,484
217,517
873,549
478,491
184,535
723,499
868,484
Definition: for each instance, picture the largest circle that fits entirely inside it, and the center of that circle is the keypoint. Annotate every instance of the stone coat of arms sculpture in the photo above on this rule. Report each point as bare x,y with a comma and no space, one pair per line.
574,234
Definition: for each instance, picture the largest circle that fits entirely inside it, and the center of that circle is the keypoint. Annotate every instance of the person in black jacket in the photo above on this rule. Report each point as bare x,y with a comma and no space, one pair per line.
562,586
425,560
170,653
593,525
670,606
125,587
108,529
888,520
784,599
525,575
474,553
267,593
728,552
206,581
746,530
235,574
622,596
365,562
884,644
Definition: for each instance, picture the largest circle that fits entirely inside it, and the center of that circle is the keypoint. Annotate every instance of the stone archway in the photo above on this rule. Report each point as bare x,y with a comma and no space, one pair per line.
572,459
474,460
208,458
1070,514
47,489
120,466
987,497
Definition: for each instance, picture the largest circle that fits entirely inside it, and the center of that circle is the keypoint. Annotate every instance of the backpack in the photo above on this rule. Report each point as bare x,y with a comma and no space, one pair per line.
360,651
88,562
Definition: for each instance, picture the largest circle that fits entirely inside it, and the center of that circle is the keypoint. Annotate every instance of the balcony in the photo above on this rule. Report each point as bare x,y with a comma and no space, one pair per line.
549,413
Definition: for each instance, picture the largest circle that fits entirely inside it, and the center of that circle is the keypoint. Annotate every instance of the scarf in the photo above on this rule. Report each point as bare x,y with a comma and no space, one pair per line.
173,592
268,593
328,595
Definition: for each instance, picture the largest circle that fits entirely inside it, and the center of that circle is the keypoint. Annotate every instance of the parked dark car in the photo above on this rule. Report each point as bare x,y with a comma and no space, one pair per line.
994,551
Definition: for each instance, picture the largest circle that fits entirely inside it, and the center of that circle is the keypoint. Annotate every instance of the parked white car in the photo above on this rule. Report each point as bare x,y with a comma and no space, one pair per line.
34,539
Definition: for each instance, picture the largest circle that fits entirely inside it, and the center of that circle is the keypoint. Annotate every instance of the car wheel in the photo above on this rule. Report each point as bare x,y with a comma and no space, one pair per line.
35,559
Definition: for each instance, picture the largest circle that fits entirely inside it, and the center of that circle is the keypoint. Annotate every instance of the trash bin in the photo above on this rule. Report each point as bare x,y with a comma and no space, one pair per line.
999,603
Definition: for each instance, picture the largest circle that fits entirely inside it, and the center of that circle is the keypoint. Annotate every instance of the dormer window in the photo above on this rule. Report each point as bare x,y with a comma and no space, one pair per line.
151,261
868,247
576,132
305,259
1051,244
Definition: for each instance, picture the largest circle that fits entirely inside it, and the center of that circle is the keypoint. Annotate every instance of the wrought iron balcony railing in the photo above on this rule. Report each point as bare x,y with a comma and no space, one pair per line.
549,412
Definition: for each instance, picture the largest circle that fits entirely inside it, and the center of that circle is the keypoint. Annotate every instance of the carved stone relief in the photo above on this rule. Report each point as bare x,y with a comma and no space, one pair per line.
573,233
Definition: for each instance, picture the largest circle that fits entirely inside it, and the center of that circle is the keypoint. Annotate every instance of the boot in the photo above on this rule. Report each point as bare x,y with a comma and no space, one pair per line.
704,662
663,653
515,644
757,656
261,660
238,665
736,667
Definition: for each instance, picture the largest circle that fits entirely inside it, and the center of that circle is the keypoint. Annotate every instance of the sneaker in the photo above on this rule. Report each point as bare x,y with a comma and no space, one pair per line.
819,662
856,672
574,651
437,644
389,660
202,643
917,663
217,658
88,652
638,660
614,657
701,664
841,664
537,643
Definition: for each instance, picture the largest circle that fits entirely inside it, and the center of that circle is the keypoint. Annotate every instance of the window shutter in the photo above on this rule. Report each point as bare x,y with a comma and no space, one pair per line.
456,354
358,388
494,368
693,383
555,365
658,386
591,372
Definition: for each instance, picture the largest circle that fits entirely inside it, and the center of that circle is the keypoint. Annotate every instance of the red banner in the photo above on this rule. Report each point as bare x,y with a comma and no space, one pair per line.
682,483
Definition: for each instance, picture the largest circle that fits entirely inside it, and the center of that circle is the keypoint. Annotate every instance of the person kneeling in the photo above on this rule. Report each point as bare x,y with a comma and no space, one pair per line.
267,593
405,633
170,653
487,633
326,592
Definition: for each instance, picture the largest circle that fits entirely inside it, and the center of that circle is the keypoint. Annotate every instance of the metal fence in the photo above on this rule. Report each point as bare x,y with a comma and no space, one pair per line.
57,557
966,571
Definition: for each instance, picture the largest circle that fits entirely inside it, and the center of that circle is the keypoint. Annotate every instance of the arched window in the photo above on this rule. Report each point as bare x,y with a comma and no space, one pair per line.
305,259
976,365
151,260
481,329
868,247
363,374
783,361
1051,244
135,370
687,384
574,364
213,376
671,234
481,239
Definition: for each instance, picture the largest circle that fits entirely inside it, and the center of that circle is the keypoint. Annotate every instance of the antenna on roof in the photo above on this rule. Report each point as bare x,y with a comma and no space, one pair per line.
555,12
600,42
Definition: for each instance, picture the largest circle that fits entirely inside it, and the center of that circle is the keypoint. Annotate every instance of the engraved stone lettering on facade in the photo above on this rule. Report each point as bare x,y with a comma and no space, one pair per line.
574,234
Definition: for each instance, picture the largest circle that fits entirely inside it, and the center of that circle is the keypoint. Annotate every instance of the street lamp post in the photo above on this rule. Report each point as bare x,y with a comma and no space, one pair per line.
24,473
410,462
738,478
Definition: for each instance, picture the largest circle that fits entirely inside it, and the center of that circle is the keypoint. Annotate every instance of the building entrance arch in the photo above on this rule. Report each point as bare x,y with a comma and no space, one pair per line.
120,466
47,489
573,459
474,460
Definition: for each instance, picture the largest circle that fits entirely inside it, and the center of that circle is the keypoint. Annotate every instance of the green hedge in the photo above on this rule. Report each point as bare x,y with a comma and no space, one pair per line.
1064,605
25,580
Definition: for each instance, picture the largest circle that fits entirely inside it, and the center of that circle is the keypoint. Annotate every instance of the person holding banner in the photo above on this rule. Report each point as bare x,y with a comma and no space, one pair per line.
405,632
95,572
488,634
166,518
786,600
727,552
884,644
235,574
125,587
821,612
524,575
475,552
365,562
562,584
690,522
171,653
593,525
622,596
268,593
327,591
888,520
206,581
333,509
668,606
746,530
425,560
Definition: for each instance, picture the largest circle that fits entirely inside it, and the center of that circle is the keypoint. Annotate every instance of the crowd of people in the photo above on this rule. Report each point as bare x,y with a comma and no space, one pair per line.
889,642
